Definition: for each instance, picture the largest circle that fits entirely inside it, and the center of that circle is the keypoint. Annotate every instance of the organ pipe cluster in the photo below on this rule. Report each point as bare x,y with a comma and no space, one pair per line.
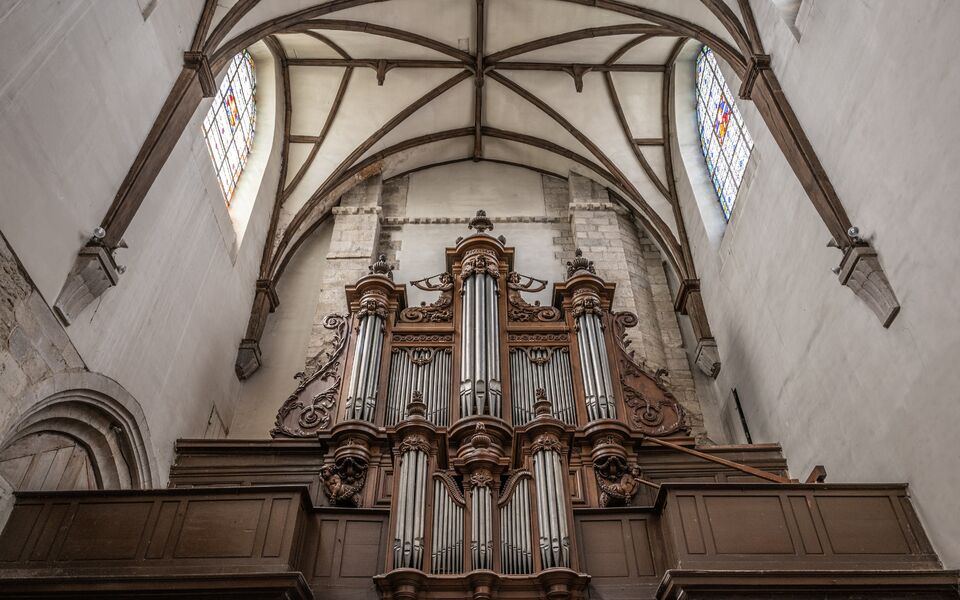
426,370
551,504
365,376
480,383
516,554
410,504
481,526
541,368
447,554
595,367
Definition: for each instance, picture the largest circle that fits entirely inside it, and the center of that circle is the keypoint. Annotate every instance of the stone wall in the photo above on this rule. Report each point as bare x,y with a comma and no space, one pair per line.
33,345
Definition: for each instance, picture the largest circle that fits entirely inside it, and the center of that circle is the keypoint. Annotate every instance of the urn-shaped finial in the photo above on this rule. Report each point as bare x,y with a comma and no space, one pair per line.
381,267
480,222
579,263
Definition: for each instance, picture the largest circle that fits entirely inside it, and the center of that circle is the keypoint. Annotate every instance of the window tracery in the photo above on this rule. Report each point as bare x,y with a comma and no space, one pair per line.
724,138
230,123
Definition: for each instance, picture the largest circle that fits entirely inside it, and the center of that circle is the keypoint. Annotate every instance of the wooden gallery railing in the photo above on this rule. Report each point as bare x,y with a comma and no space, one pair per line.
478,398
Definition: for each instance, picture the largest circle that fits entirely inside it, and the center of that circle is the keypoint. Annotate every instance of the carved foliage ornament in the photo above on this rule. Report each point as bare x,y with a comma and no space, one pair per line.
414,441
579,263
381,267
440,311
481,478
519,309
537,338
343,482
546,441
481,222
299,418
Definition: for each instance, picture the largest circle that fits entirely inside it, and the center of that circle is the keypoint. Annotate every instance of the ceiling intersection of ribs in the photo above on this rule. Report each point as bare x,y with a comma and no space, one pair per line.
389,86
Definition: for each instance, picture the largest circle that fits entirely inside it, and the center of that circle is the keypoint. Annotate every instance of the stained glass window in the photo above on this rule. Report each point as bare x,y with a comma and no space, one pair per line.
724,138
229,124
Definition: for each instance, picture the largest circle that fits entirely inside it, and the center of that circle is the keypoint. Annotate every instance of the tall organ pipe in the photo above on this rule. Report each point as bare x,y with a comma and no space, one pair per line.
547,368
408,539
480,379
515,552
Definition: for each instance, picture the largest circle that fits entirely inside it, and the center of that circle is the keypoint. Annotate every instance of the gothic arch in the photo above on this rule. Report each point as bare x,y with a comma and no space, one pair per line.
100,416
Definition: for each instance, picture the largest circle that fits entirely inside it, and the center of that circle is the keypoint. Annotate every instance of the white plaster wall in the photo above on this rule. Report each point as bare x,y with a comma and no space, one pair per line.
873,86
285,338
82,83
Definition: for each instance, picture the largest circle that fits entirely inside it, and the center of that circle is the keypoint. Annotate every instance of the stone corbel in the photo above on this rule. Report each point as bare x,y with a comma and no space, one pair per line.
198,62
755,64
264,302
689,302
94,272
860,271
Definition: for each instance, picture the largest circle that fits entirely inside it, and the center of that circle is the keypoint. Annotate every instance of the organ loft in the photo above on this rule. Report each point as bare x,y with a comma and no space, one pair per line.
476,446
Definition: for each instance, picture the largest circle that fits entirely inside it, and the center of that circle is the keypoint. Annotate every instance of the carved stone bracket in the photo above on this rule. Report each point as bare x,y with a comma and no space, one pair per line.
689,302
199,62
93,273
860,271
311,407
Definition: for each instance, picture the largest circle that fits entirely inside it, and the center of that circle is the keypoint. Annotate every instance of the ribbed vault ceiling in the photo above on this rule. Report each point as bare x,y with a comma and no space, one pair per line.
394,85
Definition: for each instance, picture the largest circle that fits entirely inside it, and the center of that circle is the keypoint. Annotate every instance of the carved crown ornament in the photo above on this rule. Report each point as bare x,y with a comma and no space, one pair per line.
580,264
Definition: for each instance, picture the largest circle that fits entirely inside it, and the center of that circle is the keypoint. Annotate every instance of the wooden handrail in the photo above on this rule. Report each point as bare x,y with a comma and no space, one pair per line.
721,461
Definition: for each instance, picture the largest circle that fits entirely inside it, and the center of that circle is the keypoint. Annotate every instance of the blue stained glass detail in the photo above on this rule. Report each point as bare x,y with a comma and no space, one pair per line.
230,123
724,138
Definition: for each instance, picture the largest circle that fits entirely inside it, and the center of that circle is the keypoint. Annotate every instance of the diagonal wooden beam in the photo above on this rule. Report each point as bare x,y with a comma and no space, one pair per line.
206,19
567,67
330,43
573,36
479,53
626,47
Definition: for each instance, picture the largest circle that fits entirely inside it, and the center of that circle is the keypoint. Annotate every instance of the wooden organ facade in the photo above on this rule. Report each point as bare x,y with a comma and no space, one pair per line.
479,446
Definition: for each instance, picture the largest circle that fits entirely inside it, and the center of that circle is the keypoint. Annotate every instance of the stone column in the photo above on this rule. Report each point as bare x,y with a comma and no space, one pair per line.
353,247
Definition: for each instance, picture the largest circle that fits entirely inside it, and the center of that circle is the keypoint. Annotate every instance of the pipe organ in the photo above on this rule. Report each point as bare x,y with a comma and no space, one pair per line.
556,465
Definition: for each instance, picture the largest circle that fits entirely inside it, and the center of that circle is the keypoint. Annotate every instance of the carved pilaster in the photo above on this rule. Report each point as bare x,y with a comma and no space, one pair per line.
860,271
93,273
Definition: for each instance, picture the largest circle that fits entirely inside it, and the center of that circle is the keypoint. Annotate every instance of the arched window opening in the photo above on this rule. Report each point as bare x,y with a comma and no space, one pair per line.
724,139
230,122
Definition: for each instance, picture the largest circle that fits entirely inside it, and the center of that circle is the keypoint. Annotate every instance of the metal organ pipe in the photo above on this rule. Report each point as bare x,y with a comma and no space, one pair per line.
547,368
516,557
426,370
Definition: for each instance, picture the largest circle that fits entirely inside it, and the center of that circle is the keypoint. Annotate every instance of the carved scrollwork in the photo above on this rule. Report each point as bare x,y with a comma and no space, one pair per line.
422,338
537,338
300,419
480,260
440,311
519,309
651,408
344,481
511,483
446,477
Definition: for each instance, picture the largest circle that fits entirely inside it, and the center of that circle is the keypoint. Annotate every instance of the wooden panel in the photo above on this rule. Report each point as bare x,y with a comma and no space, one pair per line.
862,525
690,521
361,548
112,525
808,531
747,524
604,551
224,528
49,528
275,527
642,547
327,547
161,530
20,524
